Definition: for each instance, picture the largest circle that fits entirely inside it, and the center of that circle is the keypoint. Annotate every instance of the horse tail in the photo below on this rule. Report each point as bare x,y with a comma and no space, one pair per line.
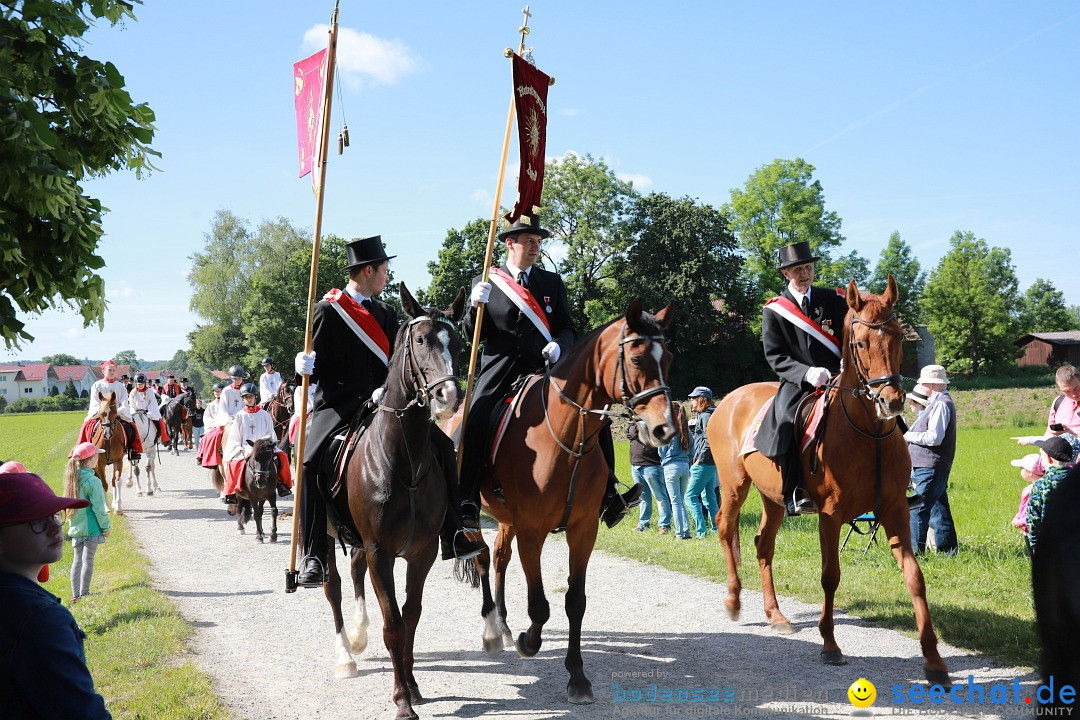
465,571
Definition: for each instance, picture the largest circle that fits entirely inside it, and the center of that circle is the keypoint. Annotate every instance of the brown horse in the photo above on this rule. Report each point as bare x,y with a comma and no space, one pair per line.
108,435
394,492
861,464
258,488
280,409
549,474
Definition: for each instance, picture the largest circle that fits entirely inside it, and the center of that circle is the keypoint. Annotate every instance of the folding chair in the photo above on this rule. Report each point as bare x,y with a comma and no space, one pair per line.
865,524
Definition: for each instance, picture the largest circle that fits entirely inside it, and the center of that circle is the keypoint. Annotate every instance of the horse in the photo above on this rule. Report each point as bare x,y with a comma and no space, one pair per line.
108,435
394,492
280,408
150,434
173,413
187,429
861,464
259,486
548,474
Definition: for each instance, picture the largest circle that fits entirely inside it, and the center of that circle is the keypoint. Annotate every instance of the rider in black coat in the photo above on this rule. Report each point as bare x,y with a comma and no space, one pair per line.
798,350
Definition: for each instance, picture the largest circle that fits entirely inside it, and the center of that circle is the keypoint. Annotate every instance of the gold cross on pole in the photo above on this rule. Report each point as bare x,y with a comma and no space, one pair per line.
524,29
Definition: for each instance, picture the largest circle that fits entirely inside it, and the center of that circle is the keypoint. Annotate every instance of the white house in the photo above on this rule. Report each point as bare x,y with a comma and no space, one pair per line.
83,377
29,380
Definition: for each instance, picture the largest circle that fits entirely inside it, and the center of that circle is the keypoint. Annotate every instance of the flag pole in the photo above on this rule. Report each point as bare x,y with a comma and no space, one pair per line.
291,574
524,30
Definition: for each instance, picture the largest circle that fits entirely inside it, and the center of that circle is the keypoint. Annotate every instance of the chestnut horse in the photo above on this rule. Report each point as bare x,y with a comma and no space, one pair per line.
108,435
549,474
394,492
861,464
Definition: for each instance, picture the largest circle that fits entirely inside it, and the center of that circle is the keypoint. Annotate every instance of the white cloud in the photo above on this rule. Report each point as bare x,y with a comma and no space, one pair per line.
360,54
569,112
75,333
481,197
120,290
640,180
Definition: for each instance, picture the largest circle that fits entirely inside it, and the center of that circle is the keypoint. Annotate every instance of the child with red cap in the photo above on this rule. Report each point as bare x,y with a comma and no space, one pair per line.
43,671
88,526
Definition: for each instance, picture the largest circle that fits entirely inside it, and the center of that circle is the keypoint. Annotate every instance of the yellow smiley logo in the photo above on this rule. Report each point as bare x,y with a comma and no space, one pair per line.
862,693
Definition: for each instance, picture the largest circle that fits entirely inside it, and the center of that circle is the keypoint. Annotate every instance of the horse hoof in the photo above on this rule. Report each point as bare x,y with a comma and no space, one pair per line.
733,613
242,531
345,671
129,483
273,538
524,650
414,695
939,677
260,538
149,492
783,628
833,657
580,695
508,638
140,493
493,646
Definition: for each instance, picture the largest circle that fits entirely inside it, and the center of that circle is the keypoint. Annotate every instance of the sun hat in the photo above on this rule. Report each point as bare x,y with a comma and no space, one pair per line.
933,374
1031,462
12,466
85,450
1056,447
701,391
25,497
919,394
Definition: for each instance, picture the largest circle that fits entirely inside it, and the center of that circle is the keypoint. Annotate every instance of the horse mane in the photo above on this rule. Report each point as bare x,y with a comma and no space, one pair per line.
263,447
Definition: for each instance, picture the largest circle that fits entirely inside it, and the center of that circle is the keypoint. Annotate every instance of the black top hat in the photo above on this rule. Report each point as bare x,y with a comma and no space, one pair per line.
524,224
795,254
365,251
183,379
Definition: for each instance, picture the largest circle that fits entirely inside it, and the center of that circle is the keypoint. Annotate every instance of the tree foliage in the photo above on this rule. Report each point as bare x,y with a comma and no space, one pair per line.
968,303
128,357
70,391
896,259
460,259
1043,309
780,204
61,360
65,118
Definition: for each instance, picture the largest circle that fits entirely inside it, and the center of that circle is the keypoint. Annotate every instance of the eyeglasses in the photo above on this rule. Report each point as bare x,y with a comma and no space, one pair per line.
42,524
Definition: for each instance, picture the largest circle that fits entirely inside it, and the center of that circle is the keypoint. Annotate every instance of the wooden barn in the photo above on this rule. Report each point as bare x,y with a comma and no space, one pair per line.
1050,348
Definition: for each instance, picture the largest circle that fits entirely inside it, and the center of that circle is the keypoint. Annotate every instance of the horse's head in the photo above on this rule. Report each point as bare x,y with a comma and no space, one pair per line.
106,407
187,399
874,348
286,395
640,370
263,464
427,349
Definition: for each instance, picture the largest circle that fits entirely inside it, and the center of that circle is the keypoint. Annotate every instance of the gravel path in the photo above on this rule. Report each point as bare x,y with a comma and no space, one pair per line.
271,654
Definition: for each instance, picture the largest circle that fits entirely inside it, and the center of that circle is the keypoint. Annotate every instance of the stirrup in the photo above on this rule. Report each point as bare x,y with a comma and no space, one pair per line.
470,515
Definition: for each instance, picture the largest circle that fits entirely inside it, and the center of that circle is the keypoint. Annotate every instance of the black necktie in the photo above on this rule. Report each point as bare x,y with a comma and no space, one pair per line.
366,304
806,306
523,279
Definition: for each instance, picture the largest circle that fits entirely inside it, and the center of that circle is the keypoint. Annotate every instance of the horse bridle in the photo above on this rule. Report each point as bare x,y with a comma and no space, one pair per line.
870,387
417,383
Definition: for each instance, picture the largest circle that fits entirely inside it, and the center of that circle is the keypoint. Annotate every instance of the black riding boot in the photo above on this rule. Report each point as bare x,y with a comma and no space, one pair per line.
796,500
312,571
615,506
455,543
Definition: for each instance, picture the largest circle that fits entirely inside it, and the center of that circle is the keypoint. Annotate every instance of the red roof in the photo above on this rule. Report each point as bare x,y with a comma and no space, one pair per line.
72,372
28,371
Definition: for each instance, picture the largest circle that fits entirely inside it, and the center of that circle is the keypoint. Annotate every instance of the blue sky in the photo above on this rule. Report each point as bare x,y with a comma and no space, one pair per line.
921,117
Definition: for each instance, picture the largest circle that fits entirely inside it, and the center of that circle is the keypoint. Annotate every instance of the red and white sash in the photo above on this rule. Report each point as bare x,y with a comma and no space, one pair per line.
361,322
794,315
523,299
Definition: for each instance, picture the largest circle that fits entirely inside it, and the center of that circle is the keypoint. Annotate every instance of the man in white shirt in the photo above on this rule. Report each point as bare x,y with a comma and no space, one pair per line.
932,445
269,381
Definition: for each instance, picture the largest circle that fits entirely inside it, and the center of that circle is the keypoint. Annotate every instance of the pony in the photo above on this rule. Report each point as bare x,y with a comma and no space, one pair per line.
548,474
108,435
861,464
150,434
258,487
394,493
173,413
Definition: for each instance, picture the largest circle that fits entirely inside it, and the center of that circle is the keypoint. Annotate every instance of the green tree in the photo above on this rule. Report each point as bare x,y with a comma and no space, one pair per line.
65,117
1043,309
683,250
70,391
3,403
460,259
781,204
54,391
897,259
128,357
585,208
61,360
968,303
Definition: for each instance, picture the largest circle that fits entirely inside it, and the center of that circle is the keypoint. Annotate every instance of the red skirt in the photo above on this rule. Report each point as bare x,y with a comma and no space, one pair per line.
235,473
86,433
209,454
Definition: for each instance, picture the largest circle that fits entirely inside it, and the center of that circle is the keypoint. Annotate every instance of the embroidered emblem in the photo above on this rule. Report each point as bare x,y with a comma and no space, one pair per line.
826,327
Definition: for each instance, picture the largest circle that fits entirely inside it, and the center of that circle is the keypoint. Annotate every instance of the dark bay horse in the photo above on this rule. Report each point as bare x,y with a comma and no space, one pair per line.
173,414
108,435
395,492
552,475
861,464
280,409
259,486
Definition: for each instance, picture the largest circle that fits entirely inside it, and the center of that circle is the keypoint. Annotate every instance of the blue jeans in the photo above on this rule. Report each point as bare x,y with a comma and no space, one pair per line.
652,478
677,477
933,485
703,484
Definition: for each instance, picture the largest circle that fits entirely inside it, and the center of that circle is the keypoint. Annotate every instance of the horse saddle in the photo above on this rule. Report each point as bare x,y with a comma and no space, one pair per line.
807,422
501,413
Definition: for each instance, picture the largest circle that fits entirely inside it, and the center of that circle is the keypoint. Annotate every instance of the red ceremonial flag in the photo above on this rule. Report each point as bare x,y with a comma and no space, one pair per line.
309,78
530,97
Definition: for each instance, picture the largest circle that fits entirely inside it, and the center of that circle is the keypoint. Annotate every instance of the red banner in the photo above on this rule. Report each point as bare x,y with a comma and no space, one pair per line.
530,97
309,78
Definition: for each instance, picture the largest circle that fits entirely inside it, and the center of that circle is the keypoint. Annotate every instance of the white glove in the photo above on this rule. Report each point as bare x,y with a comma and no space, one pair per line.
377,395
305,364
551,352
818,376
480,293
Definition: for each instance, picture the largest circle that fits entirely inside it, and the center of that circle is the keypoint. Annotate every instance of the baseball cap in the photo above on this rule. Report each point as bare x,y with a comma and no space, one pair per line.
25,497
12,466
85,450
1031,462
701,391
1056,447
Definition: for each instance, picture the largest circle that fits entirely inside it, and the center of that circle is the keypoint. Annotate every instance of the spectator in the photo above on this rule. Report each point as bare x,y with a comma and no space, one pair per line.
1065,410
645,467
89,527
43,671
197,426
703,483
675,462
1056,454
932,445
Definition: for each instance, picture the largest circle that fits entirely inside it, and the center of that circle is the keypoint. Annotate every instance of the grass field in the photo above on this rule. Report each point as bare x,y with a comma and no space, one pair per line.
137,642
